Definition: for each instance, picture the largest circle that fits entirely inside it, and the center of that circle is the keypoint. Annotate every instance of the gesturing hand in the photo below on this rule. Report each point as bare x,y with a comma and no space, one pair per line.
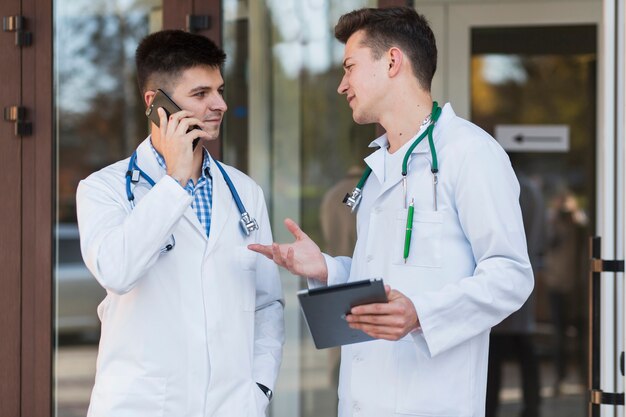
390,321
302,257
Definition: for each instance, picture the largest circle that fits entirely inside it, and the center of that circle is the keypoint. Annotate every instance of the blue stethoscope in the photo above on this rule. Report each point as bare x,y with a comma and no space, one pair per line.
134,174
353,199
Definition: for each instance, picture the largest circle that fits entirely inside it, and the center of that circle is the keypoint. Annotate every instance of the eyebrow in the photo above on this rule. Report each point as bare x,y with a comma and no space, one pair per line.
204,88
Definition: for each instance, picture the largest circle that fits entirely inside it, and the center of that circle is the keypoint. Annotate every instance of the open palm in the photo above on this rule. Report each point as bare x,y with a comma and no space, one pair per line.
302,257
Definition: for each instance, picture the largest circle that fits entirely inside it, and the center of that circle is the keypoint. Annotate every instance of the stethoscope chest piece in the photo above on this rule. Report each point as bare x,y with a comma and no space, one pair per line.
353,199
248,224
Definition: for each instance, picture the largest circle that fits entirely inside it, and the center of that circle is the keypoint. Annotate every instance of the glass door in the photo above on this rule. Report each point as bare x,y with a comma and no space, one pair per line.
99,118
529,77
289,129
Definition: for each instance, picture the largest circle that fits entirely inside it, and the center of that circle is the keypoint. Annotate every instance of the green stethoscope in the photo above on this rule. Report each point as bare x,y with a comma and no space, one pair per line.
353,199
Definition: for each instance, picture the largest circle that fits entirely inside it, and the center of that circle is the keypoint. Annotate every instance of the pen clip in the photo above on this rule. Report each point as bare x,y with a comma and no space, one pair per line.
404,186
435,182
409,229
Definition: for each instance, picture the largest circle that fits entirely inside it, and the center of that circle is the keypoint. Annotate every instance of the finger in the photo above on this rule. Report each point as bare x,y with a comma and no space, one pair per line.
277,256
171,126
378,332
265,250
395,295
174,120
375,308
294,229
377,320
180,115
290,261
162,121
387,290
186,123
196,134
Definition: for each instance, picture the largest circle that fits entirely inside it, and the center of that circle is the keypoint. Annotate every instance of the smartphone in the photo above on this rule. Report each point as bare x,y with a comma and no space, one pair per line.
162,100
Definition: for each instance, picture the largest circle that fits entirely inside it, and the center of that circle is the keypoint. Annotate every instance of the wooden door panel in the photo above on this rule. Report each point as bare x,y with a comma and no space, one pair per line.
10,223
175,13
38,184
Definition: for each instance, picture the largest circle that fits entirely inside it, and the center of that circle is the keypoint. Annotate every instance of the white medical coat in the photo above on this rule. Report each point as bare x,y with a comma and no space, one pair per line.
467,270
187,332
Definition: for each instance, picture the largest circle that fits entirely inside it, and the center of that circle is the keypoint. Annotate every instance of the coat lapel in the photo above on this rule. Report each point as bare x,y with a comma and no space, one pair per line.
222,208
147,161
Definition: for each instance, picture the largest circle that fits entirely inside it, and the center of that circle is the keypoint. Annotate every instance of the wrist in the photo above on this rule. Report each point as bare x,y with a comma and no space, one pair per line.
178,179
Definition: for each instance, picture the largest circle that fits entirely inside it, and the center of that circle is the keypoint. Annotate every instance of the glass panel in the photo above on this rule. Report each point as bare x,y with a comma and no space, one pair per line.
291,131
544,76
99,120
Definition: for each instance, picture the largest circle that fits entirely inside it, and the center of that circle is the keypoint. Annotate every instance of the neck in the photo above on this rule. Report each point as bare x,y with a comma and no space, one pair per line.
405,119
198,158
405,126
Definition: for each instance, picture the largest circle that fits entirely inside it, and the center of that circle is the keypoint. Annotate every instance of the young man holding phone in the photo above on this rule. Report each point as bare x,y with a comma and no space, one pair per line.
192,324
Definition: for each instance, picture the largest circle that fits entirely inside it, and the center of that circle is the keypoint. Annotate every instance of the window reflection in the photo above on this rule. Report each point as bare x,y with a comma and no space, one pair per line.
543,76
99,120
294,135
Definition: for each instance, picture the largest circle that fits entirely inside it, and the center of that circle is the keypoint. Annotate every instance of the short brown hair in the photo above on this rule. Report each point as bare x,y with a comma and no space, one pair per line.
402,27
161,57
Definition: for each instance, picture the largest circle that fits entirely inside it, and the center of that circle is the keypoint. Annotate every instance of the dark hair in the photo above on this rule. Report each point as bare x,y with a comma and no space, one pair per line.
401,27
162,56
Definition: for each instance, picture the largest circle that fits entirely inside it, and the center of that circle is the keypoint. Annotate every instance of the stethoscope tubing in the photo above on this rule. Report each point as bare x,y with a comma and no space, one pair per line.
353,199
134,174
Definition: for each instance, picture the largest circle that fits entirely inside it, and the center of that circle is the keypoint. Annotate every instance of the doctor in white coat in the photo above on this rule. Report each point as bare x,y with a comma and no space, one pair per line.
466,266
192,324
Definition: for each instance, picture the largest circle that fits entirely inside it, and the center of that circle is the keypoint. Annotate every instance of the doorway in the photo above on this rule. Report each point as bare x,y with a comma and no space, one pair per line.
519,66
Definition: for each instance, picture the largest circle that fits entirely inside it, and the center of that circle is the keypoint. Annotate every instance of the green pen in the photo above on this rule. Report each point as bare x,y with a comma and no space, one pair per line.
409,229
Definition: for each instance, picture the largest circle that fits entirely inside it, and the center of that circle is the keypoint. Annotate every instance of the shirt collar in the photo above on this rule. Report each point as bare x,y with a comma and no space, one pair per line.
206,161
446,113
382,142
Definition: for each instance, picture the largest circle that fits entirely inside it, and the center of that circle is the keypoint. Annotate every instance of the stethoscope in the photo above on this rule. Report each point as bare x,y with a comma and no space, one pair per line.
134,174
353,199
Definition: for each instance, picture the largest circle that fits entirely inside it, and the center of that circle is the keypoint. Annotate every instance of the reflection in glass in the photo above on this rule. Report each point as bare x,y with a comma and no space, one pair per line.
290,130
531,76
99,120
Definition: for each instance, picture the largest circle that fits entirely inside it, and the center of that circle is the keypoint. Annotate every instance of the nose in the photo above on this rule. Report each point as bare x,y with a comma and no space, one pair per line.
218,103
343,85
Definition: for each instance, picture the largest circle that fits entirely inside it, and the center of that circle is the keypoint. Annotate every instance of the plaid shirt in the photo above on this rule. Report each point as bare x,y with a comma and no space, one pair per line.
202,192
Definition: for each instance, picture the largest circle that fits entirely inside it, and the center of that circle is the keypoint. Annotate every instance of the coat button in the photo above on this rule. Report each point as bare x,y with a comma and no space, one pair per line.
370,258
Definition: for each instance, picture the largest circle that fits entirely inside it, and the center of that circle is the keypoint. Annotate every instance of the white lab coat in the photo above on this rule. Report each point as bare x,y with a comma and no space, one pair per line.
467,270
188,332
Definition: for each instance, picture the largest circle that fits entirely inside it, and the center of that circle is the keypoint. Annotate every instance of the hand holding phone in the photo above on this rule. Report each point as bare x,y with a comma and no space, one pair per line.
162,100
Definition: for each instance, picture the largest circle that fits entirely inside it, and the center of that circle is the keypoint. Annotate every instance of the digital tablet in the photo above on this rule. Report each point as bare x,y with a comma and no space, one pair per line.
325,310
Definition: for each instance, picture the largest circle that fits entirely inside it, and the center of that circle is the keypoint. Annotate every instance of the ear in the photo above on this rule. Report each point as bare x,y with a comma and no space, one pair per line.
147,97
395,58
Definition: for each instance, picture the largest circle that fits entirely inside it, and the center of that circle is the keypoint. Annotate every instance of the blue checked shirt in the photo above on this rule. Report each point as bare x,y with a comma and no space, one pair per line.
202,192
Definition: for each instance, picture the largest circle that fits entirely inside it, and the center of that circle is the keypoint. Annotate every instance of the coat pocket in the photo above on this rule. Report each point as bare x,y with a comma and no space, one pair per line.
425,242
439,386
128,396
